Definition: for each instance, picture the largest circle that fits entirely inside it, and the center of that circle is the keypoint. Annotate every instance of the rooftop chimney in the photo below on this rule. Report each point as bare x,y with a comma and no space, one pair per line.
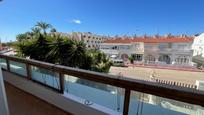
168,35
156,36
183,35
145,36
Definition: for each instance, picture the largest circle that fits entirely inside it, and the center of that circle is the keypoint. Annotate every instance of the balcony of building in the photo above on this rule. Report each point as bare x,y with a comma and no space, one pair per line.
23,103
36,87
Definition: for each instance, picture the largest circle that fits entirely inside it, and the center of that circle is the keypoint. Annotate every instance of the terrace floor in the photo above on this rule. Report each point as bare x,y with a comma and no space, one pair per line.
22,103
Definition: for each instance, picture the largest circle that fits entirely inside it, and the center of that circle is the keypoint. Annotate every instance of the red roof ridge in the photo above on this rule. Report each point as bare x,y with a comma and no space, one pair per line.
174,39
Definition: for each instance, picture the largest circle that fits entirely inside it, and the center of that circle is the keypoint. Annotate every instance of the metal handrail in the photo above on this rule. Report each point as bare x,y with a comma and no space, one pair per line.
188,95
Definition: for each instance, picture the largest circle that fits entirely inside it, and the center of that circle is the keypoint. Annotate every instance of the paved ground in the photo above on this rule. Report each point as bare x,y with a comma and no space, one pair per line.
163,74
21,103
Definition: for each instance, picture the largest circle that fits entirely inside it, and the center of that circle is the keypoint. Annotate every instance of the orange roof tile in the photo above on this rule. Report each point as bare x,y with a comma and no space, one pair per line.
152,40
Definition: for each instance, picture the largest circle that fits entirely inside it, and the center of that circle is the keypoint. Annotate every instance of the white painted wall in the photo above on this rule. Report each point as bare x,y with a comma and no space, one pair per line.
198,45
122,48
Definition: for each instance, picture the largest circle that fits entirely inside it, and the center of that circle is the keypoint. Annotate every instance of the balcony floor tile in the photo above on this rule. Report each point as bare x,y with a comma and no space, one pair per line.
22,103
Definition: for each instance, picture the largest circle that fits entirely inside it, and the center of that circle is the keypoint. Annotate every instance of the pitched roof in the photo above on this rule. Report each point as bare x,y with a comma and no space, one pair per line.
152,40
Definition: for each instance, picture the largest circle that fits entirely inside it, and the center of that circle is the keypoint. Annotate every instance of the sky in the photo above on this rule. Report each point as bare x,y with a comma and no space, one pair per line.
103,17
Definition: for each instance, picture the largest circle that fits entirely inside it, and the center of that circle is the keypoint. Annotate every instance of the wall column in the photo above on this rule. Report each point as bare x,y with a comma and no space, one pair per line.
173,57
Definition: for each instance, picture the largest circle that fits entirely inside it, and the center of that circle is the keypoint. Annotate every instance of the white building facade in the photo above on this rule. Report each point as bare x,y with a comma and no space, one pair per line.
91,40
161,51
198,47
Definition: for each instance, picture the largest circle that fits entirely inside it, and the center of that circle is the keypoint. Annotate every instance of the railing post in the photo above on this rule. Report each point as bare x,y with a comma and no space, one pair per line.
28,70
8,65
61,77
126,102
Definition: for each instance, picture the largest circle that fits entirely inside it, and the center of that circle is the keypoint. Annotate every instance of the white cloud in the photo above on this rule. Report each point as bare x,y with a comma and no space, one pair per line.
76,21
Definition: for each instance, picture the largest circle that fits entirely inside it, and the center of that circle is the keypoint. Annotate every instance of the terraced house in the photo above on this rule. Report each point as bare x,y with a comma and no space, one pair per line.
166,50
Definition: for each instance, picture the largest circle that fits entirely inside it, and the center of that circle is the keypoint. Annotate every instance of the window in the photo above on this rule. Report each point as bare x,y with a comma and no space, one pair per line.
148,46
124,47
137,46
163,46
182,46
150,58
181,60
114,47
137,57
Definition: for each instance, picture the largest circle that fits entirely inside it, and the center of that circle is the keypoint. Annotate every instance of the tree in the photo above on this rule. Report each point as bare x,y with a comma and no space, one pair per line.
101,62
53,30
21,37
76,54
36,48
131,58
87,61
60,50
44,26
29,35
36,30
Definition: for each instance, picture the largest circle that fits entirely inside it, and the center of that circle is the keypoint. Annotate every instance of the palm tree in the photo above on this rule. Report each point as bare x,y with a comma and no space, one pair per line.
36,30
21,37
58,50
29,35
76,53
88,61
44,26
36,48
101,62
68,52
131,59
53,30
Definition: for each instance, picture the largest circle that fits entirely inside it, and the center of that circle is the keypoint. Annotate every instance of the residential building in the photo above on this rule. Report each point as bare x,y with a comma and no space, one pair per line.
198,47
168,50
91,40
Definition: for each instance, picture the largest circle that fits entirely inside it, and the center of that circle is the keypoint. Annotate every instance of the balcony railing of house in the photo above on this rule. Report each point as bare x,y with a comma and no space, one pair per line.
114,92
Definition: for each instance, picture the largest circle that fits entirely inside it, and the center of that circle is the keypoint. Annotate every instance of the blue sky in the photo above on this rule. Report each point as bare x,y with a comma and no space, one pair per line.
104,17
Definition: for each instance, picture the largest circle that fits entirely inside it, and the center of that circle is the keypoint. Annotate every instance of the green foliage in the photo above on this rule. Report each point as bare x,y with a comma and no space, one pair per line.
9,44
100,62
22,37
131,58
35,48
61,50
44,26
53,30
36,30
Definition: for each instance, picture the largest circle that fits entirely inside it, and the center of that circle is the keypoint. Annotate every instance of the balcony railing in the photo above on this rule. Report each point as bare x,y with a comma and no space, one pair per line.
169,50
93,86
